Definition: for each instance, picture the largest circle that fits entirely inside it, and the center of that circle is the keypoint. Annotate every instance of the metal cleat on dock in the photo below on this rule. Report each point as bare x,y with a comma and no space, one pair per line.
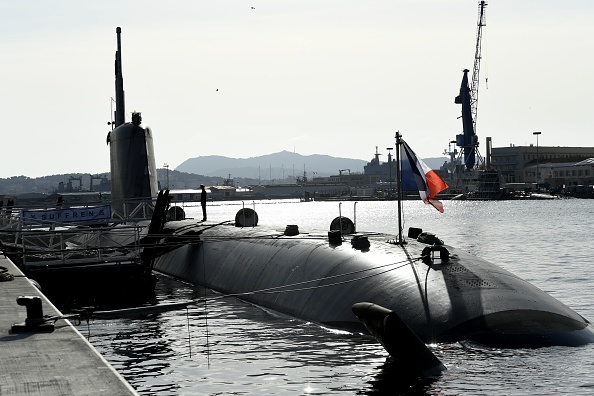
35,321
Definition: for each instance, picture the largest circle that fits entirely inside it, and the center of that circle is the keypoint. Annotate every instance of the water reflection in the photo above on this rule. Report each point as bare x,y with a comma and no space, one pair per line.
138,348
392,378
235,347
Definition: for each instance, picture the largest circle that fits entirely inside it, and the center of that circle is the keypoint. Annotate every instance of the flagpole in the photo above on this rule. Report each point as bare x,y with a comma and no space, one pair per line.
399,182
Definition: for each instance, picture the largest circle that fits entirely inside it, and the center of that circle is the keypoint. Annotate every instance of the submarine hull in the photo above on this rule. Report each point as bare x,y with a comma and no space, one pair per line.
440,300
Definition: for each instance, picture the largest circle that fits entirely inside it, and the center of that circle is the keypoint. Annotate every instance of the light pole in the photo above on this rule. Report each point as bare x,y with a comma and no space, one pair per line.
166,166
390,170
537,171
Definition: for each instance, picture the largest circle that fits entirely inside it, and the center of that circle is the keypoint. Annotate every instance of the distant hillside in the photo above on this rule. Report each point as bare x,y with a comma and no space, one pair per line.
271,166
435,162
279,166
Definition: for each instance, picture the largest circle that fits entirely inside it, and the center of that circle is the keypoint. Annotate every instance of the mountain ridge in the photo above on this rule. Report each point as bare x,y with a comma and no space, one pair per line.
278,165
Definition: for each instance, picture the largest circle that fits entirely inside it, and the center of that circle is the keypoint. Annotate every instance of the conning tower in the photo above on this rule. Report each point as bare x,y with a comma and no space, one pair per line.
132,156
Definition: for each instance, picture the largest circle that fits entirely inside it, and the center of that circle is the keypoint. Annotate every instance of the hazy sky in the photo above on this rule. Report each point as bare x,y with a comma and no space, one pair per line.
334,77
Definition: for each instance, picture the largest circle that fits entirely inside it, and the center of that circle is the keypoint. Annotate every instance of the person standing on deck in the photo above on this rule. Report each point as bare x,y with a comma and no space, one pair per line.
203,202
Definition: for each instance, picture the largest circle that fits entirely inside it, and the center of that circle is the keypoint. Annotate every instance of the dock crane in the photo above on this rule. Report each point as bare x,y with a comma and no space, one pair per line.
468,98
477,62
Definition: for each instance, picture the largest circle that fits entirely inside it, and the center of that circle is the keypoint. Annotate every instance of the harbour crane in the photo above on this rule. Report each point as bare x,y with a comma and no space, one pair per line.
477,62
468,98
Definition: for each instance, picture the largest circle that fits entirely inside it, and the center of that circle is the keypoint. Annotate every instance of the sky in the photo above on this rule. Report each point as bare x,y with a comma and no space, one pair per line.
253,77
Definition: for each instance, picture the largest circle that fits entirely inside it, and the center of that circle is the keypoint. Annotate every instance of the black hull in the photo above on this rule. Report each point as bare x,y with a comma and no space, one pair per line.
307,277
100,285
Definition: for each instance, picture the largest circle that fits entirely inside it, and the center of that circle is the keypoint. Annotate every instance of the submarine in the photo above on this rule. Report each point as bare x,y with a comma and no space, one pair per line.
442,293
398,289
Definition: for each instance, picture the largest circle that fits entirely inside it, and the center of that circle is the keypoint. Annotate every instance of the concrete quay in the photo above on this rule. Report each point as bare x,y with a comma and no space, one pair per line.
58,362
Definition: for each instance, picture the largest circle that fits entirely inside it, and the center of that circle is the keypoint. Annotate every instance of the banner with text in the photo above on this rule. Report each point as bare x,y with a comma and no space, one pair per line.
67,215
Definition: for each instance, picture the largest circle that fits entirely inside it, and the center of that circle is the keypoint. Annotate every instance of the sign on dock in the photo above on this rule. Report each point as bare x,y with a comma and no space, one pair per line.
66,215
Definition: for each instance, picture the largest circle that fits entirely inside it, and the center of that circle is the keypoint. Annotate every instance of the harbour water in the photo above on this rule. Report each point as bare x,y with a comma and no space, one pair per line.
226,346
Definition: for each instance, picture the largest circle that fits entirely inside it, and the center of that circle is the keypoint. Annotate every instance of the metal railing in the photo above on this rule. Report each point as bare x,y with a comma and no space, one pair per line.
73,245
40,241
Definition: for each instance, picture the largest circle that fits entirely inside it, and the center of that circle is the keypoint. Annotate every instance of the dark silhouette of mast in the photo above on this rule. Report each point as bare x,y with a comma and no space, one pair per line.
398,136
120,113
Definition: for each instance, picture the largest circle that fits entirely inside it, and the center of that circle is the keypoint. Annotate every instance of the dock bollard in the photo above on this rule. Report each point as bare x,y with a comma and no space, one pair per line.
35,321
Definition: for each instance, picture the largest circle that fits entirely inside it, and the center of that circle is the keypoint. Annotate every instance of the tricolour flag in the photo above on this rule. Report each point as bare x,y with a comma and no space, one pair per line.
428,182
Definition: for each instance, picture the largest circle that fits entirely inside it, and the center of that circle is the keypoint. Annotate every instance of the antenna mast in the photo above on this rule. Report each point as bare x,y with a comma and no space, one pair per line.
477,62
400,240
120,114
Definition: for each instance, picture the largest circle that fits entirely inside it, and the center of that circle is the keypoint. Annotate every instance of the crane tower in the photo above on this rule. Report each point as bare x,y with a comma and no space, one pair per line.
468,98
477,61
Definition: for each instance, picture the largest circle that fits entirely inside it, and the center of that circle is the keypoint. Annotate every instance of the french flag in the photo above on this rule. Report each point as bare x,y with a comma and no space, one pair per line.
428,182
